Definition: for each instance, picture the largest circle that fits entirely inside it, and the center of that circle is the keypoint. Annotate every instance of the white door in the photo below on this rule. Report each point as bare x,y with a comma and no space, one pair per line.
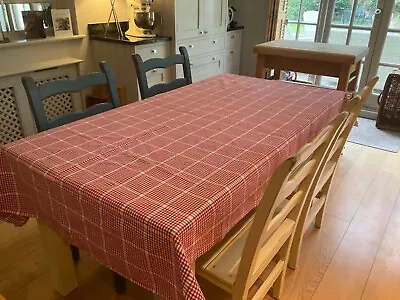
214,16
189,19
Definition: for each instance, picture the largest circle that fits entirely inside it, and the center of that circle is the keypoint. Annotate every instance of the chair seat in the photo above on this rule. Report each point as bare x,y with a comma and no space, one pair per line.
220,265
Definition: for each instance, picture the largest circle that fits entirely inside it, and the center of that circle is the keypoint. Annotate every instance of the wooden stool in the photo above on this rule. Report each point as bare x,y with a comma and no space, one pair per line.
340,61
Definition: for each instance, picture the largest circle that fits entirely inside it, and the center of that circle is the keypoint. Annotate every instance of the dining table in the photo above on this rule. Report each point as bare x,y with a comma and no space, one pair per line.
148,188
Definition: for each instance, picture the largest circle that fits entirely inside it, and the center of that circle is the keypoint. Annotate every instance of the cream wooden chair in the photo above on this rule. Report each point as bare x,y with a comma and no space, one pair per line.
314,207
252,259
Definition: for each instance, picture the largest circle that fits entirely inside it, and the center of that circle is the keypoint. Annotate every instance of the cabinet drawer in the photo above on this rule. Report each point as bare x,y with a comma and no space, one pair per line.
232,60
156,77
234,39
201,46
206,67
156,50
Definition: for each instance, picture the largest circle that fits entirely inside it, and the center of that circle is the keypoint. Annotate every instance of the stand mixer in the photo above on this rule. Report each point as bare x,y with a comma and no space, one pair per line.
144,19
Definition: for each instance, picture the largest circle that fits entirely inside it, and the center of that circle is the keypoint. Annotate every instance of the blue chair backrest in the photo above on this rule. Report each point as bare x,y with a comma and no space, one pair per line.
142,67
37,94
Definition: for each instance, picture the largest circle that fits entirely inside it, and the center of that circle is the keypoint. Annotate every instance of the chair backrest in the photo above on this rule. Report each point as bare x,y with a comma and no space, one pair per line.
37,94
353,107
273,229
142,67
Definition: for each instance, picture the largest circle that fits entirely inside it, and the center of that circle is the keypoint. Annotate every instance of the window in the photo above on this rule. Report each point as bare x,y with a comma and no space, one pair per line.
11,13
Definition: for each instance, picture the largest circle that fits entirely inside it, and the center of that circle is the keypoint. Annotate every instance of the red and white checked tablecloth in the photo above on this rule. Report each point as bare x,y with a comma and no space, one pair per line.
148,188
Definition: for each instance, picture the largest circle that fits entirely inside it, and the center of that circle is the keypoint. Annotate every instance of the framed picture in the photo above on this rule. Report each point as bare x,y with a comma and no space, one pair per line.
62,22
33,22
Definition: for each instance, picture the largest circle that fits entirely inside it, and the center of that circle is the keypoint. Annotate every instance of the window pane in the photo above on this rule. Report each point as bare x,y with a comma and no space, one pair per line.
3,20
330,82
395,20
365,13
342,12
338,36
307,32
310,11
360,37
290,31
383,73
390,52
293,10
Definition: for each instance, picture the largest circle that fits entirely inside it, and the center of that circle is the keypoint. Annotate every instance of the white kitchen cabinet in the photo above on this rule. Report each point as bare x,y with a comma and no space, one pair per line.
214,16
233,44
208,66
189,18
198,18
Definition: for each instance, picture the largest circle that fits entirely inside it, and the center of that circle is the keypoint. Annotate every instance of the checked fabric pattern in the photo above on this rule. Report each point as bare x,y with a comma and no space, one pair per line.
148,188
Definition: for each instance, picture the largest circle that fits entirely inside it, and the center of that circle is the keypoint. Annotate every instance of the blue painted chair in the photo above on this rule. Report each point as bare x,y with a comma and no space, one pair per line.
142,67
37,94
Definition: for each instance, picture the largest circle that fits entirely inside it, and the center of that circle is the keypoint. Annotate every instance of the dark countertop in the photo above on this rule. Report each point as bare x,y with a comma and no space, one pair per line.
115,38
237,27
96,32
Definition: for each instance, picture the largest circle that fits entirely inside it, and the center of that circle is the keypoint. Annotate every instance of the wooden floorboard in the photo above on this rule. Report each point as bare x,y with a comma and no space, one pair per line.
384,279
351,265
356,254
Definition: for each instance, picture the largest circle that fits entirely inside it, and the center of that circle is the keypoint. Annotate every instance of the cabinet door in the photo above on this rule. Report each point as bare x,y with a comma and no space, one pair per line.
214,17
189,19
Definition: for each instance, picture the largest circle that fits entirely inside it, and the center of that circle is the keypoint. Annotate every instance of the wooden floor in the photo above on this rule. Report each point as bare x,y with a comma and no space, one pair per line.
356,255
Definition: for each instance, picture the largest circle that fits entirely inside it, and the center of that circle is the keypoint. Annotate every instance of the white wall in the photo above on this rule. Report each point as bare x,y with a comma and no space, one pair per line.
94,11
253,15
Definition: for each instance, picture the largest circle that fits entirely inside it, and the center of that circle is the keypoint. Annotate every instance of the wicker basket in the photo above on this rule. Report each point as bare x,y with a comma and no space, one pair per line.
389,103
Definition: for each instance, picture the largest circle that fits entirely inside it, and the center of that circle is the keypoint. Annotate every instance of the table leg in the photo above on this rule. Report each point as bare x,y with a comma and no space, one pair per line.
344,78
354,78
260,68
59,260
277,74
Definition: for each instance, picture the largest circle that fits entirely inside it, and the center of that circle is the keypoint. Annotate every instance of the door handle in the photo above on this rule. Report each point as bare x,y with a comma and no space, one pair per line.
378,11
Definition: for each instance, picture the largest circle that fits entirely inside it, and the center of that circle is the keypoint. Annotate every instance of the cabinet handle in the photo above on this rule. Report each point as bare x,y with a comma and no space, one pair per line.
206,31
191,46
232,37
201,32
232,52
154,71
214,58
154,51
214,41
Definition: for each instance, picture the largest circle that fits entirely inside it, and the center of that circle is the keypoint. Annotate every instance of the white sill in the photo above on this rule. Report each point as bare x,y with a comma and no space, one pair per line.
23,43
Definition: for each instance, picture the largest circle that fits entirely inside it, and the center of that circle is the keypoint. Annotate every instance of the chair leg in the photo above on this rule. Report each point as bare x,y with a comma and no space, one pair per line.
319,219
119,284
75,253
294,254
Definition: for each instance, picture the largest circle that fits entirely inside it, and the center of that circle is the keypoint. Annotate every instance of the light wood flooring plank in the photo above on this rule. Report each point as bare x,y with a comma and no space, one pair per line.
383,282
350,188
319,247
348,272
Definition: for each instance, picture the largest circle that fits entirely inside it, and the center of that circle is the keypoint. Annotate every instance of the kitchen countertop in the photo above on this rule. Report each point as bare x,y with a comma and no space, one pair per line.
237,27
115,38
